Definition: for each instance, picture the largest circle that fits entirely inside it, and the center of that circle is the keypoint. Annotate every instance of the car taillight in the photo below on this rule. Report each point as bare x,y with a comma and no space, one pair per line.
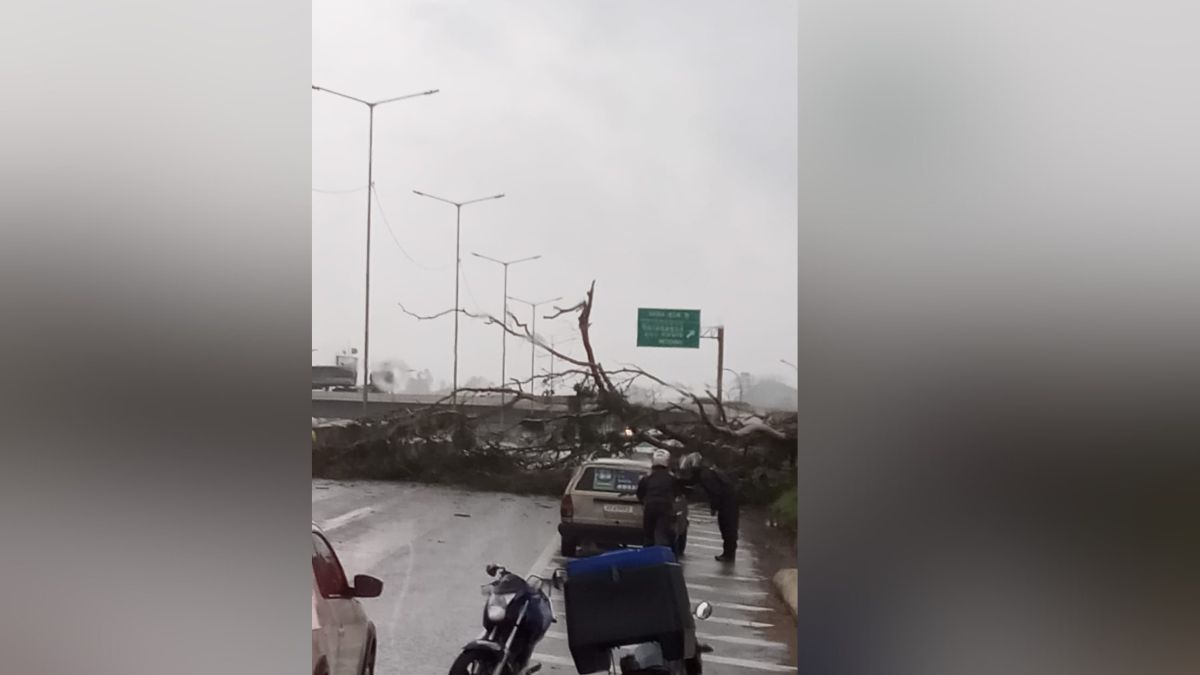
568,508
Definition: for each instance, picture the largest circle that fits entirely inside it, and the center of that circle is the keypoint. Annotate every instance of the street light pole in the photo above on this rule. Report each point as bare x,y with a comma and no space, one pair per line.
533,332
457,272
370,186
504,333
789,363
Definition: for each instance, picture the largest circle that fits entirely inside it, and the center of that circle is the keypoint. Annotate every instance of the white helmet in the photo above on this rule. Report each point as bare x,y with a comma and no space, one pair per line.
660,458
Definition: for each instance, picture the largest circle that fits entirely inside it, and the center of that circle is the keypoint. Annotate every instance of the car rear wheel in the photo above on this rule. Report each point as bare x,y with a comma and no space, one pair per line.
569,547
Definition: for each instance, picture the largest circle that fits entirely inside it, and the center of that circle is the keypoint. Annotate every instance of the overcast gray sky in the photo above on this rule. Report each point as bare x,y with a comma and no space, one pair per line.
651,147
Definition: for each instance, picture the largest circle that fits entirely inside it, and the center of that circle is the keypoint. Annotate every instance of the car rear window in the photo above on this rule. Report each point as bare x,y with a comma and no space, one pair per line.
605,479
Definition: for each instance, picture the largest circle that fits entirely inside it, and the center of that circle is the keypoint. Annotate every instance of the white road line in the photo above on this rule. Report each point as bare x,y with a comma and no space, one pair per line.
747,642
706,546
742,608
555,660
750,579
702,530
703,588
345,519
738,622
543,561
748,664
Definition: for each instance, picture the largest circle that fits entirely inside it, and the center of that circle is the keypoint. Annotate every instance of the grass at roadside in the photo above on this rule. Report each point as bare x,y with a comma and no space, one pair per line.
783,511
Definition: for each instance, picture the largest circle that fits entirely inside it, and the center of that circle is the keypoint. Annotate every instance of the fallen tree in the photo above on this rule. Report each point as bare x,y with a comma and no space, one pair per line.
445,443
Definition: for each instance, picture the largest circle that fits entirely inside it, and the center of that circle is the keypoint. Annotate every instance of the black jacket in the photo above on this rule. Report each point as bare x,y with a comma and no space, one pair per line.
717,486
659,487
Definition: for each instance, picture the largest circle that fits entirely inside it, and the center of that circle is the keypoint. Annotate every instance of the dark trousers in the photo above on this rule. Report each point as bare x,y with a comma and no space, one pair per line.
727,521
657,529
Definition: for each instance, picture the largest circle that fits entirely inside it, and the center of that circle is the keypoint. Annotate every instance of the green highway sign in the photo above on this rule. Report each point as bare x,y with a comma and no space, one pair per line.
668,328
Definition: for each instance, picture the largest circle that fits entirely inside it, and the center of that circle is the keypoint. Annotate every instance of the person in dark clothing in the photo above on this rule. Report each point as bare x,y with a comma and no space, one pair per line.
722,500
657,492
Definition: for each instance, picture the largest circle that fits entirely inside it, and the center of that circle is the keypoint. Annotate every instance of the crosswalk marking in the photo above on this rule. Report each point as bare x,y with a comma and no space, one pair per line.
553,660
730,591
748,664
738,622
750,579
748,642
742,608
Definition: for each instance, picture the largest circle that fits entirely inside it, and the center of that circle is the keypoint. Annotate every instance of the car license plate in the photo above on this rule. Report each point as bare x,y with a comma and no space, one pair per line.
617,508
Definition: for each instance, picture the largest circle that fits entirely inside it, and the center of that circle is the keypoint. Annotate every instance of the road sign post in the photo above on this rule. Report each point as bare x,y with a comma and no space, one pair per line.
672,328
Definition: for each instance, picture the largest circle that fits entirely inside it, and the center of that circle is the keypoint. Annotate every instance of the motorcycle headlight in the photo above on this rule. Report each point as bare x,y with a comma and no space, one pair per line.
497,605
496,613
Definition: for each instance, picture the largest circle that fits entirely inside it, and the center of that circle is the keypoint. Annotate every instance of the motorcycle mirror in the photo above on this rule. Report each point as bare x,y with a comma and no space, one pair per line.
492,569
703,610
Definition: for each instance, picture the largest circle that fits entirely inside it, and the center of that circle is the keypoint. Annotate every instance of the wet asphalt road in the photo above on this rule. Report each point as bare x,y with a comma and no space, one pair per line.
430,544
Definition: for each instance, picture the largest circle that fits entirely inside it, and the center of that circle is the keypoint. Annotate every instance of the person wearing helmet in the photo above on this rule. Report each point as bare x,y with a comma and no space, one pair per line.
722,499
657,492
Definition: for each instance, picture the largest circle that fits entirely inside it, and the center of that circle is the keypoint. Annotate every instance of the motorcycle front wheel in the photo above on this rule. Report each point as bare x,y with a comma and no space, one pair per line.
474,663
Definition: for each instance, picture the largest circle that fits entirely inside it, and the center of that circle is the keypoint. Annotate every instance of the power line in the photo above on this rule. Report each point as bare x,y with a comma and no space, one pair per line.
388,225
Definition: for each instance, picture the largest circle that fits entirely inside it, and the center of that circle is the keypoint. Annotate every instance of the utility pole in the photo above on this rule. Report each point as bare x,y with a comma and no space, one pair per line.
720,364
533,332
370,186
718,334
504,332
457,271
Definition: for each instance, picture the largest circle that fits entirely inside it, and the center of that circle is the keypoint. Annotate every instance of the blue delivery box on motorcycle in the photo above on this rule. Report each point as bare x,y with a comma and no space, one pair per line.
623,598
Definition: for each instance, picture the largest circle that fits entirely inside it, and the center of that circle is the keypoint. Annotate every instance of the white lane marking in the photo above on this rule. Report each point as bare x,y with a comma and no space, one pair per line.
709,547
747,642
543,561
717,540
748,579
704,588
345,519
742,608
702,530
748,664
399,604
553,660
738,622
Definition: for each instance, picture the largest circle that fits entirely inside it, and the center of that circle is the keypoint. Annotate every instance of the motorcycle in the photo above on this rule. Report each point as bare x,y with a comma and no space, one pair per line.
647,658
516,616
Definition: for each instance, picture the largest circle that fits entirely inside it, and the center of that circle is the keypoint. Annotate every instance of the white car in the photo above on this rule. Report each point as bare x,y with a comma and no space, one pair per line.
343,638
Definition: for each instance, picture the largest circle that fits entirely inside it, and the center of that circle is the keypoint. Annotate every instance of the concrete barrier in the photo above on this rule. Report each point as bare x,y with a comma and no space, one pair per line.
786,585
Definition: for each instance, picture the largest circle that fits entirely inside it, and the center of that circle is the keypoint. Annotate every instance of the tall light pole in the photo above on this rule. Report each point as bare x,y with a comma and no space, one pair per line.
789,363
533,331
457,271
371,105
504,333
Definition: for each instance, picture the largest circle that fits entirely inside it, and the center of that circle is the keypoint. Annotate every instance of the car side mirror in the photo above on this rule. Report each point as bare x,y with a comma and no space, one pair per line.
366,586
703,610
558,579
